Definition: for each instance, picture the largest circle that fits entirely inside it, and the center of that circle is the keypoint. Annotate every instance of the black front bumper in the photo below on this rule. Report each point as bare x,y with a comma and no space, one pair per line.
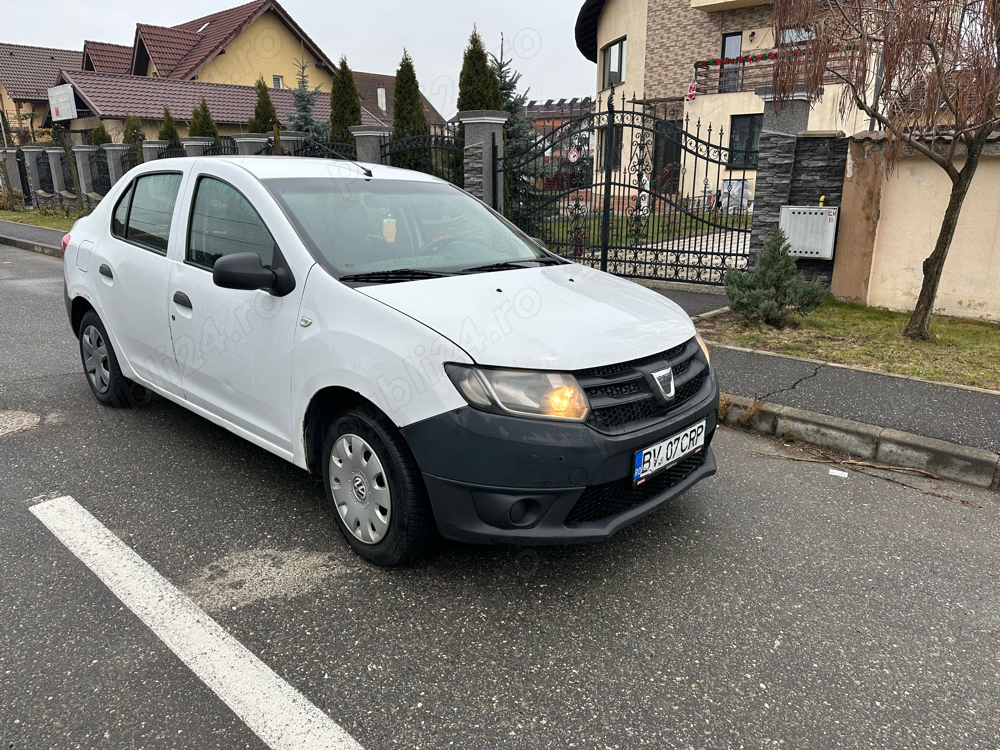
498,479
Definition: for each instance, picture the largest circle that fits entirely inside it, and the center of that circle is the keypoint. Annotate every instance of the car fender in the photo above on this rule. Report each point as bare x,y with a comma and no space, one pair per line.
348,340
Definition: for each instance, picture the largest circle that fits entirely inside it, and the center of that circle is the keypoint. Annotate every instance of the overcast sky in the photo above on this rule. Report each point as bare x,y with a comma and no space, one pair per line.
372,33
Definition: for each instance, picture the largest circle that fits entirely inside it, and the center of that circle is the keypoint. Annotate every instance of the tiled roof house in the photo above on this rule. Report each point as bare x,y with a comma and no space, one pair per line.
217,57
25,76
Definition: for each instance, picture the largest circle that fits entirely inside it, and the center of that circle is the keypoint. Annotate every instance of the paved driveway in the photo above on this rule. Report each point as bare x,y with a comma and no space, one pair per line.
774,605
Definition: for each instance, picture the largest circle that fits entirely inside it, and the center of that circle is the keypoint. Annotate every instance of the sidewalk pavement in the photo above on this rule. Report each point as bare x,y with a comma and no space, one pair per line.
953,414
13,230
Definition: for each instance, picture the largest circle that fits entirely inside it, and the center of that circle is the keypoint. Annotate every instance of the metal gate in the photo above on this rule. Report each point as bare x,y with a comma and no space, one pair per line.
226,146
440,153
629,191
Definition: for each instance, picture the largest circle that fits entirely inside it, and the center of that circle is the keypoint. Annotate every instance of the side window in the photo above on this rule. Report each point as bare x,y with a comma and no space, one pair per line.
152,210
121,213
222,223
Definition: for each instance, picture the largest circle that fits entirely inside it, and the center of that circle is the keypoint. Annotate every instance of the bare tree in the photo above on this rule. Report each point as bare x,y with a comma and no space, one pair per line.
927,73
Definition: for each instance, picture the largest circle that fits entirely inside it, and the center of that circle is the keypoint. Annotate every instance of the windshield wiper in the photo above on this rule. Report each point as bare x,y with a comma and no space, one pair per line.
398,274
510,265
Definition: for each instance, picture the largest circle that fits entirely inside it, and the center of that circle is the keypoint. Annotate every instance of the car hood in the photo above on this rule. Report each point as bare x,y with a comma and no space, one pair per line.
566,317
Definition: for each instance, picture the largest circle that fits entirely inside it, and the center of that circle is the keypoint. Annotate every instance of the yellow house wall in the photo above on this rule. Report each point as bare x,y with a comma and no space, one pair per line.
624,18
717,110
825,114
913,204
266,48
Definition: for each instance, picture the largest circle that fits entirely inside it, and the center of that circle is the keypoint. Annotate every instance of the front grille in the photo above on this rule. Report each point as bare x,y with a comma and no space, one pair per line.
605,500
622,397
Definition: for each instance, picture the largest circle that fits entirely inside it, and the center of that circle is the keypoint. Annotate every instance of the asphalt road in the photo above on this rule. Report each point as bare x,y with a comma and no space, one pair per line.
774,605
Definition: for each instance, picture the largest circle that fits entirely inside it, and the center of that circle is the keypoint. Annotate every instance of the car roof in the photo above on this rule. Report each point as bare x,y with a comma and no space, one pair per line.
271,167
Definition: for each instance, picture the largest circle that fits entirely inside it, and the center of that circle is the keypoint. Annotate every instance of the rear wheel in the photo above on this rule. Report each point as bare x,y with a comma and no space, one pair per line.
374,490
100,365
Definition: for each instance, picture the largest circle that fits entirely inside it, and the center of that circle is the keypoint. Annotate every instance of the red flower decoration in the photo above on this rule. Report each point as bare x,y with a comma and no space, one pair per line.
718,62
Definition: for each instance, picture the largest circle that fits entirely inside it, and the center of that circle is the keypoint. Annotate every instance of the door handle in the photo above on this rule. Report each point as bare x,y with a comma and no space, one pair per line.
182,300
104,270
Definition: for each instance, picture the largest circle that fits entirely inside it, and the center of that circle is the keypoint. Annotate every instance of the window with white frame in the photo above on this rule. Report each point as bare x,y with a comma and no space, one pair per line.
277,82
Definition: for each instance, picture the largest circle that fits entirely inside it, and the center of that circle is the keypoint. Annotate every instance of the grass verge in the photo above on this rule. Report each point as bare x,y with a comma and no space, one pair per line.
36,219
960,350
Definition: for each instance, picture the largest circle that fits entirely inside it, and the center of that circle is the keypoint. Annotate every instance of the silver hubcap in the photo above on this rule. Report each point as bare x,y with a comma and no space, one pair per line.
360,489
95,359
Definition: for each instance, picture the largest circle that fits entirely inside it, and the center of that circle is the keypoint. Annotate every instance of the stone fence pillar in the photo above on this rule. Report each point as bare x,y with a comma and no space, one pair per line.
248,144
369,140
56,156
116,165
483,129
196,145
31,156
151,150
82,156
9,157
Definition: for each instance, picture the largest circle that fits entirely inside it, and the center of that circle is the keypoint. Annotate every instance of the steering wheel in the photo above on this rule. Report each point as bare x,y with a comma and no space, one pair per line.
436,243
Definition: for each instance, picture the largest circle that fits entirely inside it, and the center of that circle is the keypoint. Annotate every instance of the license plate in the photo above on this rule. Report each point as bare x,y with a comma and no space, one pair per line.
670,451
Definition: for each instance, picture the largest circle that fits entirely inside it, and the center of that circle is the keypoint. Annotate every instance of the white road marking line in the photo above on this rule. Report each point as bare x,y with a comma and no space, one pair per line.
280,715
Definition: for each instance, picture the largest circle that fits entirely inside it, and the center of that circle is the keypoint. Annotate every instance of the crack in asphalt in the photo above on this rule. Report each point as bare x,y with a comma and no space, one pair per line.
796,384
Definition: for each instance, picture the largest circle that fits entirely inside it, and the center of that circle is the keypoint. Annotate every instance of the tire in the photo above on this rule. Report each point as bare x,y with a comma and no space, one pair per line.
100,366
374,489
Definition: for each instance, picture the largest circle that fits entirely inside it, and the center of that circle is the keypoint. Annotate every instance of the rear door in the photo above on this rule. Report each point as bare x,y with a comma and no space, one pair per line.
233,347
132,272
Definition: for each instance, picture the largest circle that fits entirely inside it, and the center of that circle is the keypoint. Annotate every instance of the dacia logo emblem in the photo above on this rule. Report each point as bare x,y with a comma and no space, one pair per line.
665,382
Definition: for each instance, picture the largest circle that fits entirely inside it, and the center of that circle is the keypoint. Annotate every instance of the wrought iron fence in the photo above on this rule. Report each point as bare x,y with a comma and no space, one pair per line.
44,173
130,159
22,172
67,174
440,153
320,150
225,147
100,175
171,153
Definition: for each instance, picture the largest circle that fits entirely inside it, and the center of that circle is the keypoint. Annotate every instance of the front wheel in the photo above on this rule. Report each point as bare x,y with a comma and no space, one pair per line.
374,489
100,365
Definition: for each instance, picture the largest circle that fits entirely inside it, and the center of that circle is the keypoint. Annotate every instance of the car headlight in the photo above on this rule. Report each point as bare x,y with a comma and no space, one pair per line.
524,393
704,348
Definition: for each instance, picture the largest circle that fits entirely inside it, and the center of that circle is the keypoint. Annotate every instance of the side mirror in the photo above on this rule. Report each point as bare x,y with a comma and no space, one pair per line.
242,271
540,243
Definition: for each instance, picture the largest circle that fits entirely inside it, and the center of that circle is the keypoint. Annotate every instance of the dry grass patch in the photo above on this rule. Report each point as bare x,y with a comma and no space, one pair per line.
36,219
960,351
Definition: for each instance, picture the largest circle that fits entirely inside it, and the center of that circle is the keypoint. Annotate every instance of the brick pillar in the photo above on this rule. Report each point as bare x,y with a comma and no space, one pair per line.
196,145
483,128
369,140
248,144
82,156
151,150
116,167
31,156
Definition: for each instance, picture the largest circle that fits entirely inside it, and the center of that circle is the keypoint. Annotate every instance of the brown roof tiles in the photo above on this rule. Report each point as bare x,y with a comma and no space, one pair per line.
107,58
28,72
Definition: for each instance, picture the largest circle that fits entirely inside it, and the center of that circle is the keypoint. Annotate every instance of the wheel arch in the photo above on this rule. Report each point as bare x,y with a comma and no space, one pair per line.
79,307
324,407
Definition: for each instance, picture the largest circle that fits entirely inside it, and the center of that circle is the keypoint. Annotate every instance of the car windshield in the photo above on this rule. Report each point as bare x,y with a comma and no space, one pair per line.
375,226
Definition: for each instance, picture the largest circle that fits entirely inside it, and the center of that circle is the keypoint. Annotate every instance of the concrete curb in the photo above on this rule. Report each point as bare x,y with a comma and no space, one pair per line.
680,286
710,314
974,466
35,247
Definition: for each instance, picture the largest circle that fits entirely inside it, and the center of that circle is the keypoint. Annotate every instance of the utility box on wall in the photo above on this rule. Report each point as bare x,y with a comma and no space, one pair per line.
812,230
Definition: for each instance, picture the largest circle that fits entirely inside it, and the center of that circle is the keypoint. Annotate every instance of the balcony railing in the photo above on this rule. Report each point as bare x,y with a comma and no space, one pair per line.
728,78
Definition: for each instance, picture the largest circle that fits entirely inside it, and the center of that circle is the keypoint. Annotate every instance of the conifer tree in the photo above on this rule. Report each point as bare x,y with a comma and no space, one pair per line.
408,116
345,105
264,113
202,125
304,100
168,130
100,135
478,87
133,135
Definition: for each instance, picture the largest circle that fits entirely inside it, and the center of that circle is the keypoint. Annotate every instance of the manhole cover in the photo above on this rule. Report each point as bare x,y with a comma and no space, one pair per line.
16,421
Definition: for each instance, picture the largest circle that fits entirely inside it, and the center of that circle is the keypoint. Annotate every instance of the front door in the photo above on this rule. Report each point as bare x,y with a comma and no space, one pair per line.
132,273
233,347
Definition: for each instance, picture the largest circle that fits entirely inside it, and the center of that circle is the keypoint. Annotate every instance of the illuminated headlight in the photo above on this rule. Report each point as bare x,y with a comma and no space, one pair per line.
524,393
704,349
